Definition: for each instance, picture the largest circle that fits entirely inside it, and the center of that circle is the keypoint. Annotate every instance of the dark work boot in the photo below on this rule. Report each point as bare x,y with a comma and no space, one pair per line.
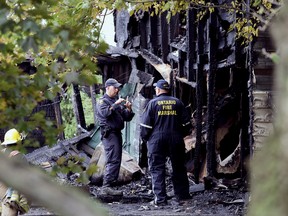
107,190
180,200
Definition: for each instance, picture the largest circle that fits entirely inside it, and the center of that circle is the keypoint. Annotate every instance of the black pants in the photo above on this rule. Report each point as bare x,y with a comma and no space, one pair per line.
113,151
158,150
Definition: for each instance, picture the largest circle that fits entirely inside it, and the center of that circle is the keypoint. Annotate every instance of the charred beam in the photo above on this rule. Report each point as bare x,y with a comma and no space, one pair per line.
154,34
211,159
164,37
174,27
181,64
191,43
199,98
143,34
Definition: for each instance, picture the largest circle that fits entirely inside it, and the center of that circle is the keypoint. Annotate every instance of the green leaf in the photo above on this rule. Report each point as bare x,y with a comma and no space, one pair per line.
61,161
275,57
64,34
91,169
29,25
256,3
28,44
167,6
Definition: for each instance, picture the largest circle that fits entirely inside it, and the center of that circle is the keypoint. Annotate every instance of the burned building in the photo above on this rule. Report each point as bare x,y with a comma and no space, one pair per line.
226,84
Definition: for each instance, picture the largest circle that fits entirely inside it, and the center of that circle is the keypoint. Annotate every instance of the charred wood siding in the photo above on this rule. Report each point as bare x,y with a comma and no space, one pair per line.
210,72
262,104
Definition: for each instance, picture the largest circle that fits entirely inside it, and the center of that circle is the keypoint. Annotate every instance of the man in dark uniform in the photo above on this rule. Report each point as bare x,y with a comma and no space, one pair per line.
112,112
164,124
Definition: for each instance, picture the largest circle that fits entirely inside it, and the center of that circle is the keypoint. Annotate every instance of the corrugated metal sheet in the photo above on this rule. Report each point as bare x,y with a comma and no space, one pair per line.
132,131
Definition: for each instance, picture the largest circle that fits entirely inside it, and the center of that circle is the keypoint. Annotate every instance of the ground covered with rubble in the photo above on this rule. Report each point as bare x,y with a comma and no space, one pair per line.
213,197
219,199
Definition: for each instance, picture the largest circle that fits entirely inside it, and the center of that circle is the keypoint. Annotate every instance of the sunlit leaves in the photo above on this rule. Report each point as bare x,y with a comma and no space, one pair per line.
73,164
28,44
120,4
60,39
29,26
41,32
258,12
275,57
91,169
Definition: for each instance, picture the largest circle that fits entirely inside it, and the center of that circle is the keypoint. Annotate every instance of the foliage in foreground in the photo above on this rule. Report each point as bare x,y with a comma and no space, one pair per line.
61,40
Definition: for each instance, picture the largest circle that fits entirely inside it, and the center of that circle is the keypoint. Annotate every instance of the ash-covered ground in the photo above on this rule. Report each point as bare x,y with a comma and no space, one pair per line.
223,198
220,200
217,197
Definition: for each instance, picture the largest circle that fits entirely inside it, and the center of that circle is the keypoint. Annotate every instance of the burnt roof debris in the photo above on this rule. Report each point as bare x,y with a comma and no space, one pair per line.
122,20
157,63
145,78
118,51
179,43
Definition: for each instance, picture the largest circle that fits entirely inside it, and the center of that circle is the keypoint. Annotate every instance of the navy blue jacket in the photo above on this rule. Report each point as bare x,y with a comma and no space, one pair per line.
115,117
165,114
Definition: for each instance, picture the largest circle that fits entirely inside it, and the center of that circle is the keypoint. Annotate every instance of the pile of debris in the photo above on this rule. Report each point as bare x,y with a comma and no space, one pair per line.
211,196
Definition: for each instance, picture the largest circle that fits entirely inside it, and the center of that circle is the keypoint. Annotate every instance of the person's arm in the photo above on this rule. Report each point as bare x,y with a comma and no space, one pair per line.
117,104
147,123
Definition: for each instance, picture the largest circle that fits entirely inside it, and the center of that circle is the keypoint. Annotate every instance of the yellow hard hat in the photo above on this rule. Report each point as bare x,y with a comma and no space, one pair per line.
12,136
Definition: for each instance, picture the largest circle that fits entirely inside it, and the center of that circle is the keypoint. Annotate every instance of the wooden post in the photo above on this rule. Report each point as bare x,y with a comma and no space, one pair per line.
94,103
78,107
58,115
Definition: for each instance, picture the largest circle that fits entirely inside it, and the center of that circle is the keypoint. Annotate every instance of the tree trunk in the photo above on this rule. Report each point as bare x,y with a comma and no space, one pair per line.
39,187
